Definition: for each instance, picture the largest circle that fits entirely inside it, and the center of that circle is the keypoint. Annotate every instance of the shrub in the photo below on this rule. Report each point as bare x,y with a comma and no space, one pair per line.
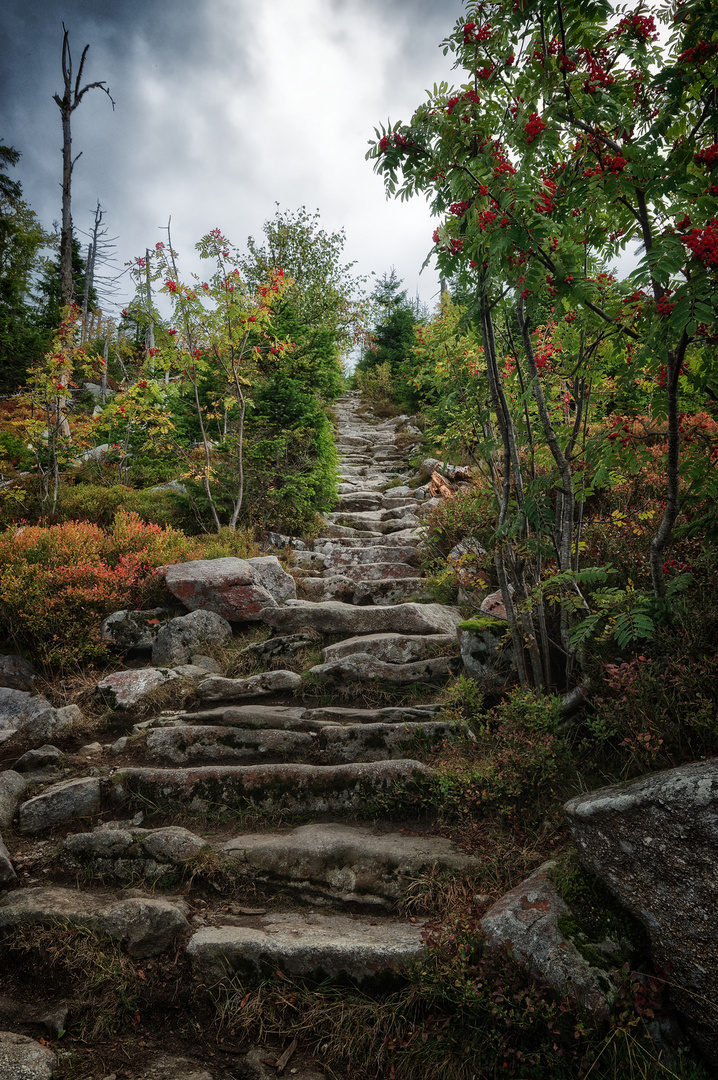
58,583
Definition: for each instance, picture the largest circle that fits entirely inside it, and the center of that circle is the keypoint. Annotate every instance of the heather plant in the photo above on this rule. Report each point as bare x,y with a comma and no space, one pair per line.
57,583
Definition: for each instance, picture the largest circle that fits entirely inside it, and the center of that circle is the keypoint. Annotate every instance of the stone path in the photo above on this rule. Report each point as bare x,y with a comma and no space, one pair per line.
333,884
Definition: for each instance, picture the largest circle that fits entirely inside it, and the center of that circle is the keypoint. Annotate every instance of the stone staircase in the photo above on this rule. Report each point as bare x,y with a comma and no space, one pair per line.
271,786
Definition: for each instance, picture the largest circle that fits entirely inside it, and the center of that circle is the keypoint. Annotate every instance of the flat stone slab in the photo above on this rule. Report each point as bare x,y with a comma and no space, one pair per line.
341,558
391,648
185,744
259,717
333,617
394,714
347,863
378,742
361,667
267,682
61,802
144,926
317,945
292,788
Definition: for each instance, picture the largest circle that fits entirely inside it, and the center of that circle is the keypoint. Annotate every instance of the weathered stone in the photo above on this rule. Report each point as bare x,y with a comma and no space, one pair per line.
341,714
483,650
61,802
494,606
16,672
21,1058
652,841
332,617
333,587
18,709
130,630
46,725
318,945
270,573
7,872
340,744
127,851
360,667
12,788
179,638
273,647
169,1067
348,558
228,586
123,689
347,863
267,682
525,920
144,926
391,591
40,758
291,788
254,1065
470,548
185,744
392,648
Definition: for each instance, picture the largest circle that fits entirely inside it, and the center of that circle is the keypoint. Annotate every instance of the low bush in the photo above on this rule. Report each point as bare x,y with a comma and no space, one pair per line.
58,583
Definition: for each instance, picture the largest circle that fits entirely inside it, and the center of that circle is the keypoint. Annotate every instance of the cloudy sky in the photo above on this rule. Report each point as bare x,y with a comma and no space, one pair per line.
224,108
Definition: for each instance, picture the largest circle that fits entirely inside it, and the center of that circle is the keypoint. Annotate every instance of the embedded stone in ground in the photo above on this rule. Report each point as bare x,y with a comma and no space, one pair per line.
347,863
61,802
311,945
12,788
292,788
180,638
268,682
332,617
185,744
123,689
144,926
21,1058
525,921
360,667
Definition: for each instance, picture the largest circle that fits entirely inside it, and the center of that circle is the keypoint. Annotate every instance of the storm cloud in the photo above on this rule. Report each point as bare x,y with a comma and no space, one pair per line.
223,109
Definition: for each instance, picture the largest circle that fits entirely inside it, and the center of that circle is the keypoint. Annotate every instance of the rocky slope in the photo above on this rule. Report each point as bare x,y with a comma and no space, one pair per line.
272,777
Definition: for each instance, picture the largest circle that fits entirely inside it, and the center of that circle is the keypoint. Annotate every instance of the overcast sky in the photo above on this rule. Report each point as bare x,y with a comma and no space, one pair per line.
224,108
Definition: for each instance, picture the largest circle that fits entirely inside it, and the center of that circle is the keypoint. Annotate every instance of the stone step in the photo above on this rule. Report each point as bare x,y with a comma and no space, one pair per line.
359,555
363,668
333,617
185,744
290,788
387,593
378,572
313,945
359,501
393,648
345,864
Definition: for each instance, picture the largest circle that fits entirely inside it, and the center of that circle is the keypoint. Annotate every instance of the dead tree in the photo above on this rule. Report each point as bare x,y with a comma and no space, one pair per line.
71,98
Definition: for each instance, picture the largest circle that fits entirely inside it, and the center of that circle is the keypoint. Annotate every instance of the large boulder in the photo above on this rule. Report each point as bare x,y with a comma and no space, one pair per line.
179,639
231,587
333,617
653,843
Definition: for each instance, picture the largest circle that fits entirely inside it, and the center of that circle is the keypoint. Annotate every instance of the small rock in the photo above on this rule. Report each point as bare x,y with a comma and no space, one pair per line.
134,630
90,749
41,758
119,745
55,1021
494,605
7,871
